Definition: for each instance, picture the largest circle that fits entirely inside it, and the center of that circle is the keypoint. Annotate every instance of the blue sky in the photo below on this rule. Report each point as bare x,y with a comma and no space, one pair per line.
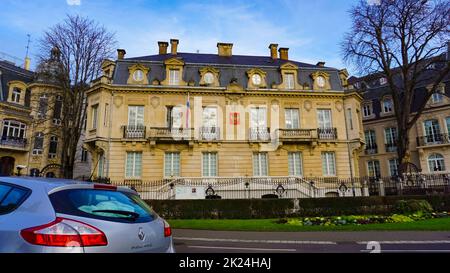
312,29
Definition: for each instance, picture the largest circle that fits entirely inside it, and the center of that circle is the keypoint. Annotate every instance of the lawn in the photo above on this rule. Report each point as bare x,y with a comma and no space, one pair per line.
437,224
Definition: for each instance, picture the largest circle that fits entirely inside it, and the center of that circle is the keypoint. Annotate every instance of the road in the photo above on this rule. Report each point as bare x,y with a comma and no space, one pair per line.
201,241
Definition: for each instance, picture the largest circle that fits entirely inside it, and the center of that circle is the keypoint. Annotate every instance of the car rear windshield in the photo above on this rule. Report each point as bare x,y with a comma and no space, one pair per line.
106,205
11,197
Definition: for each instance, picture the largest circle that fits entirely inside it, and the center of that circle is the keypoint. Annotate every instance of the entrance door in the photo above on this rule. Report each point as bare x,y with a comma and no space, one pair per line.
6,166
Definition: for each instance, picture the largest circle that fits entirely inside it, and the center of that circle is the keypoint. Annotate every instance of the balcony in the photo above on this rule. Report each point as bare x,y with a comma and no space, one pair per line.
15,143
297,135
209,133
259,134
134,131
371,149
327,133
433,140
391,148
171,134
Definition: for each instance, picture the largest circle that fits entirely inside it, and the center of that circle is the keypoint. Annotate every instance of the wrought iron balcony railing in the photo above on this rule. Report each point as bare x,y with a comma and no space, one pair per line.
297,134
209,133
433,139
327,133
259,134
391,147
134,131
177,134
371,149
15,142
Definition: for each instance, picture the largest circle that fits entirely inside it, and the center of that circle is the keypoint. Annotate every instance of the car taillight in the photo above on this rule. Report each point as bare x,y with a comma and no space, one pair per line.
105,187
65,233
167,230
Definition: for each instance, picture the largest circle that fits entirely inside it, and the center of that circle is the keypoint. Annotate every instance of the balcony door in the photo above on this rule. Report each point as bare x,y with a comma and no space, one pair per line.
258,123
432,131
292,119
135,127
210,123
135,116
325,124
174,117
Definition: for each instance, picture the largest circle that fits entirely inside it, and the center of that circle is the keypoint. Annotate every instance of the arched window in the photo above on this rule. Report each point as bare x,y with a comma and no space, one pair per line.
38,143
436,163
53,147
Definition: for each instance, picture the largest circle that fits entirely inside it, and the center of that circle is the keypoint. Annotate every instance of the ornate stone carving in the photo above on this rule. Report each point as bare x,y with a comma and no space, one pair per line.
339,105
308,105
154,101
118,101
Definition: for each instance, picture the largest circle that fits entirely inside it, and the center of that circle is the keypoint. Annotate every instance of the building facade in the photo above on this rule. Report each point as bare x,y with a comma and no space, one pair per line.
31,117
179,114
429,147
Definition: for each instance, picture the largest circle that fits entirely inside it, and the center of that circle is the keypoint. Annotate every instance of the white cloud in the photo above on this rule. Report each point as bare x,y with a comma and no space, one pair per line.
73,2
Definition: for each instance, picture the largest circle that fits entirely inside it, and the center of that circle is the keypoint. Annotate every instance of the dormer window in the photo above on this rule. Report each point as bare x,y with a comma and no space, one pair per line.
436,98
367,110
174,77
383,81
290,83
16,95
387,105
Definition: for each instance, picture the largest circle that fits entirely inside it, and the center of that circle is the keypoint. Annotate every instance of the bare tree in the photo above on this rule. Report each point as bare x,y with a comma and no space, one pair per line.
399,39
78,45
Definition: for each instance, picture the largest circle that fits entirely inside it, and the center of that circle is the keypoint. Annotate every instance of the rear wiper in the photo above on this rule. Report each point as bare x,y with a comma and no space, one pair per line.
133,215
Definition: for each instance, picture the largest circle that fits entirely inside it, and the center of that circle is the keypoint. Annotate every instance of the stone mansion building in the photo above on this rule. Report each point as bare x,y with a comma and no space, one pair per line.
177,114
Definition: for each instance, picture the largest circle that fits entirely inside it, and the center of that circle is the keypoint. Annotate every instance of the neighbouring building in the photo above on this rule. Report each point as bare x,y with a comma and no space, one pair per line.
429,147
31,116
175,114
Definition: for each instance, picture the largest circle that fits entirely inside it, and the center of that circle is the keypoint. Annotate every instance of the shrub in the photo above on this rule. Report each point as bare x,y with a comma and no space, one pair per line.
397,218
412,206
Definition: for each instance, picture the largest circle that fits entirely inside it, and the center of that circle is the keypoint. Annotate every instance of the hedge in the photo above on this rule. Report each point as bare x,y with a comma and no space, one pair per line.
275,208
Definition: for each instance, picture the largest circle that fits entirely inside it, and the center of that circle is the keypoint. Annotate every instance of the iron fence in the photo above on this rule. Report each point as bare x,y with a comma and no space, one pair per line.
287,187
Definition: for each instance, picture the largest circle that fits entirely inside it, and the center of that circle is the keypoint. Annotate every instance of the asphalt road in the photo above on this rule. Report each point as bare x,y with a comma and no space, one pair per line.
201,241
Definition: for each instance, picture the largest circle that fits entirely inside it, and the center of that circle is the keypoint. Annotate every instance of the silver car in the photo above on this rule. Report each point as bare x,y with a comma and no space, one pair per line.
55,215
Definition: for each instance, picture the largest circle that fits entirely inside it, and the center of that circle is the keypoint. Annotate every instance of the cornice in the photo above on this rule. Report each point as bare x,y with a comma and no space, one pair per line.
220,91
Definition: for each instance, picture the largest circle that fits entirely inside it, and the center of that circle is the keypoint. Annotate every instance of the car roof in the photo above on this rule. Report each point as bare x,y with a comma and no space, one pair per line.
48,183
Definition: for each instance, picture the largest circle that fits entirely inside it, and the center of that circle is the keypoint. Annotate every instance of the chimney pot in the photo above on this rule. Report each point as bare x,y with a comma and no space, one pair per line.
174,46
121,54
27,63
284,53
321,64
225,49
163,47
273,51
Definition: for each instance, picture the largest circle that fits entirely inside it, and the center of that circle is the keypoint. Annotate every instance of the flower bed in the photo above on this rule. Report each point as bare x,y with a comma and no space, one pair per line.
361,219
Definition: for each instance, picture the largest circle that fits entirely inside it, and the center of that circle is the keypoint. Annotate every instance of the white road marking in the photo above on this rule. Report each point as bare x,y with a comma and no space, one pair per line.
257,241
411,250
245,248
409,242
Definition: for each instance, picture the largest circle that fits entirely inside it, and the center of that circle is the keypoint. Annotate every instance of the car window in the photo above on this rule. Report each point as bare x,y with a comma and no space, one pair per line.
11,197
102,204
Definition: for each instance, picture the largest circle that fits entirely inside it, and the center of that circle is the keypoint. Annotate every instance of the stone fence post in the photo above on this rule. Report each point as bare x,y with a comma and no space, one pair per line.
381,187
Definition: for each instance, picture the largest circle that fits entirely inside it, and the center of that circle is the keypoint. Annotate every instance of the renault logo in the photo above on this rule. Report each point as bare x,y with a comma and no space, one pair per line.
141,234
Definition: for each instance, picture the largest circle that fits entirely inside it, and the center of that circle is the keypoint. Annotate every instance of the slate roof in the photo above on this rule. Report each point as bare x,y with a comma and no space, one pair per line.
374,91
11,72
235,66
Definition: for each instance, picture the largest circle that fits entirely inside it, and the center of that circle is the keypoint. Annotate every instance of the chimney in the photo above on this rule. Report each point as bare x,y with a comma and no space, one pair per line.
173,46
27,63
225,49
121,54
321,64
273,51
163,47
448,50
284,53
